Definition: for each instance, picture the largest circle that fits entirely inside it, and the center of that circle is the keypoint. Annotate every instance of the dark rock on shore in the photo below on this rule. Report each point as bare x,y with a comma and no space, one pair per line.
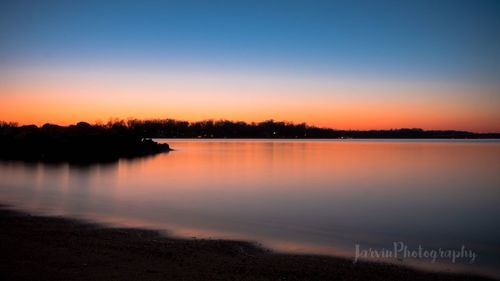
75,143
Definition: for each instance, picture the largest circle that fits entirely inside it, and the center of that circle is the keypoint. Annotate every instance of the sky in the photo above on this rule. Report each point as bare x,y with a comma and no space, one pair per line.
339,64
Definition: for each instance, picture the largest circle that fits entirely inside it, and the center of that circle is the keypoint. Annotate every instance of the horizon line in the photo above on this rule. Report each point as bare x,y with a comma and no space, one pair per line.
125,120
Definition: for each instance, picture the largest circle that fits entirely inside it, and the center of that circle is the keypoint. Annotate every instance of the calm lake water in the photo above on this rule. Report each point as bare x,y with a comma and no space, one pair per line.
298,196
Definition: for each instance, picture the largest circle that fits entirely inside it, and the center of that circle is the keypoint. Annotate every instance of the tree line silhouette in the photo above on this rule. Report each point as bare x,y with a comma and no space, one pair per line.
135,130
84,142
170,128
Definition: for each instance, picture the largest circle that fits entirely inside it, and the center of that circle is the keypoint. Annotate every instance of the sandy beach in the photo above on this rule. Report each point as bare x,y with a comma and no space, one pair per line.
53,248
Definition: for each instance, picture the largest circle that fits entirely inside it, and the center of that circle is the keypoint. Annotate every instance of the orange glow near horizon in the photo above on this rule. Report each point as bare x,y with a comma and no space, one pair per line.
341,107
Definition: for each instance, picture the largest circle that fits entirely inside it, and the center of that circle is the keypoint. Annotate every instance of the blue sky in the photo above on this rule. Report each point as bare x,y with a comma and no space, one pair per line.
342,64
454,40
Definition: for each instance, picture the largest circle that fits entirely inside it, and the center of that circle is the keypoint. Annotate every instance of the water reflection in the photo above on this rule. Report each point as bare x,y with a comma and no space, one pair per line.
305,196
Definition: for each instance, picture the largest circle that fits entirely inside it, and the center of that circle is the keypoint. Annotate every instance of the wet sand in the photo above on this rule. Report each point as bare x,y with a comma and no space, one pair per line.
52,248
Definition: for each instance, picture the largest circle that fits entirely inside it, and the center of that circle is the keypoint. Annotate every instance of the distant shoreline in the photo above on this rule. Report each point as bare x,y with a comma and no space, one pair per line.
269,129
86,143
51,248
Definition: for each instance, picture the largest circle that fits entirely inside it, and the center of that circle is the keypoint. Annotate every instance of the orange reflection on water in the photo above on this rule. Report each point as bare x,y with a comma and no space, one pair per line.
316,196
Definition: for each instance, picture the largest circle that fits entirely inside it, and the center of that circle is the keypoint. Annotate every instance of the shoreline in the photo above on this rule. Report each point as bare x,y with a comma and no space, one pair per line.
54,248
81,143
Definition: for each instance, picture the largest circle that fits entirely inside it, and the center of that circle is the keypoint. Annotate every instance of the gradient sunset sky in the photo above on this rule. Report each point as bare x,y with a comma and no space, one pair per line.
340,64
